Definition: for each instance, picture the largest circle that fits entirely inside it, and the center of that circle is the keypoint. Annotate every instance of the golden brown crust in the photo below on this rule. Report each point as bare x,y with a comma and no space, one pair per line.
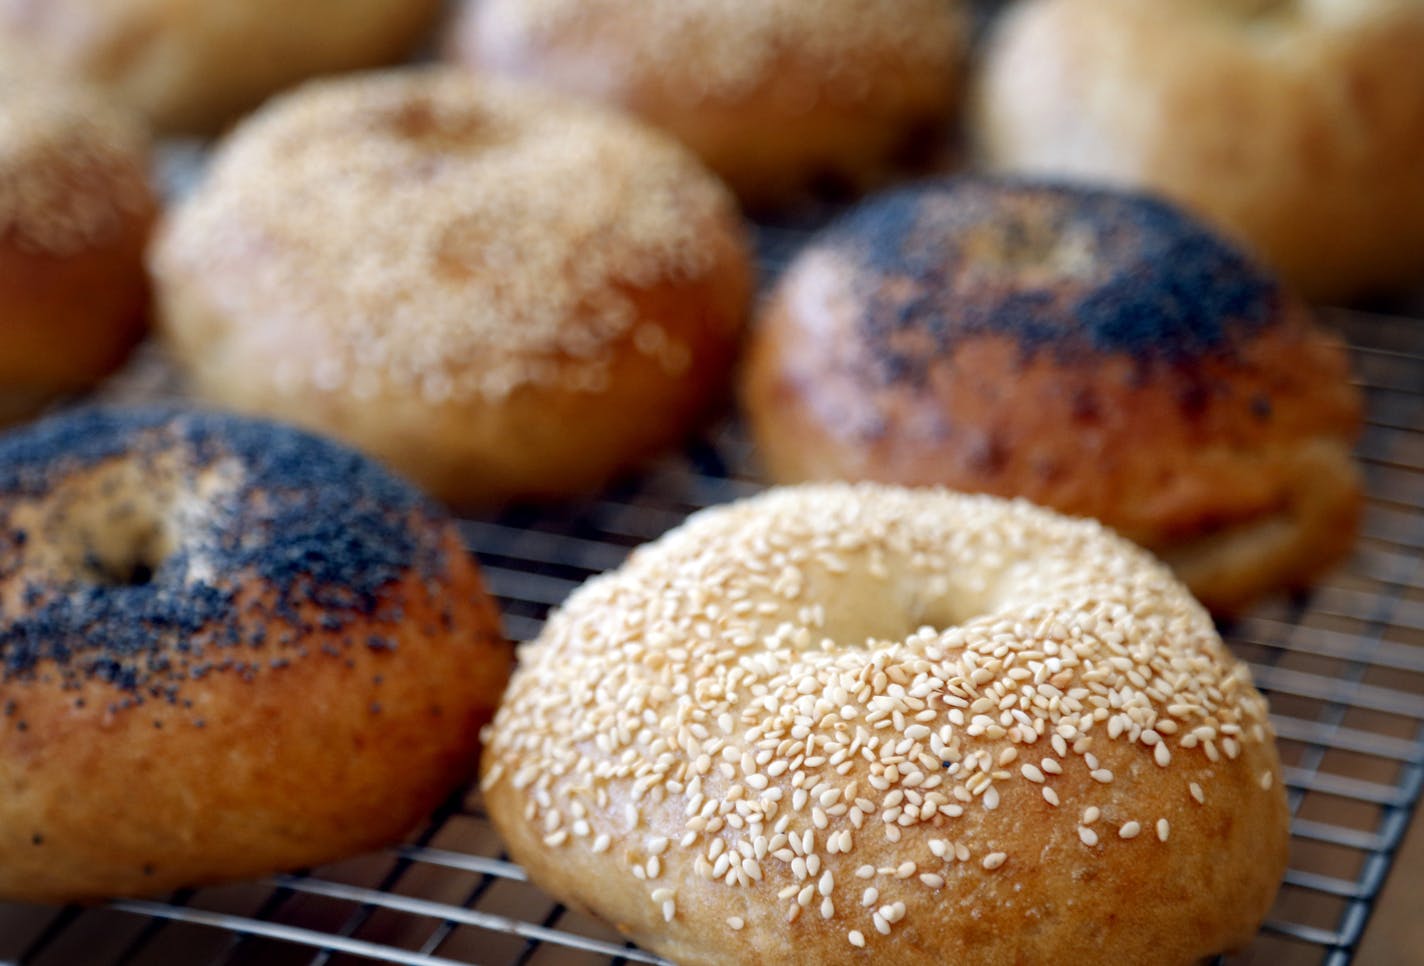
679,755
192,67
501,293
1169,452
1297,127
778,98
208,721
75,213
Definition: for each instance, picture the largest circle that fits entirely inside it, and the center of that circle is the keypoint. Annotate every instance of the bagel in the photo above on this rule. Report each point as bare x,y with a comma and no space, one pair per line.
836,724
227,649
75,214
190,67
502,294
1296,127
781,98
1097,352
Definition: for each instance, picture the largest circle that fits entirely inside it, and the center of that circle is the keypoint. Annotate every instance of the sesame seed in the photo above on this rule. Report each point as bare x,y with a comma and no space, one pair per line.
1163,829
736,922
994,859
1129,830
857,938
932,880
1088,836
1049,795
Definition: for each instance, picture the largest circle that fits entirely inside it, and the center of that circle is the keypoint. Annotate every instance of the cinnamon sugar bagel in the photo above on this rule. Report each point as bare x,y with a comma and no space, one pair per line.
1296,126
777,96
191,66
835,724
227,648
75,213
501,293
1097,353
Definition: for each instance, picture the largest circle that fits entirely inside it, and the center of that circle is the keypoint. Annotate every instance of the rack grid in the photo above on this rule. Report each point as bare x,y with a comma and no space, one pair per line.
1343,666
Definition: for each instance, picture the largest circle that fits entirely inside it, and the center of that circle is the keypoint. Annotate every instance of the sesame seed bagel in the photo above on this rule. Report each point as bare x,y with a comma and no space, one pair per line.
1297,125
190,66
227,648
834,724
1095,352
75,213
501,293
777,96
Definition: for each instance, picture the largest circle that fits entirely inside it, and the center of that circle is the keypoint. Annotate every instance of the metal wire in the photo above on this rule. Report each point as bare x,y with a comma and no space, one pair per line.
1344,667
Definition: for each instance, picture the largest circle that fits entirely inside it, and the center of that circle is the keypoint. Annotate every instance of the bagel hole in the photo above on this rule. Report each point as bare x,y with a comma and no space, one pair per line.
111,532
856,620
427,126
127,552
135,569
1033,250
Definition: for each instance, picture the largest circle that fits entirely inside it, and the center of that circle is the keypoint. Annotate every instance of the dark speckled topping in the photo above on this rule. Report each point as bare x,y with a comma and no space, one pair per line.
325,528
1070,270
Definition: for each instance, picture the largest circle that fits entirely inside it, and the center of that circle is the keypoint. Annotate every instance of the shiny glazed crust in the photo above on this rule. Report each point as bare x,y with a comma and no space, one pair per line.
835,724
191,67
75,213
228,649
501,293
1298,127
1232,461
778,98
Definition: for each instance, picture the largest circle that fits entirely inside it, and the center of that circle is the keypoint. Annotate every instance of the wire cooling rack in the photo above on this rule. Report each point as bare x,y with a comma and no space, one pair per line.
1344,668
